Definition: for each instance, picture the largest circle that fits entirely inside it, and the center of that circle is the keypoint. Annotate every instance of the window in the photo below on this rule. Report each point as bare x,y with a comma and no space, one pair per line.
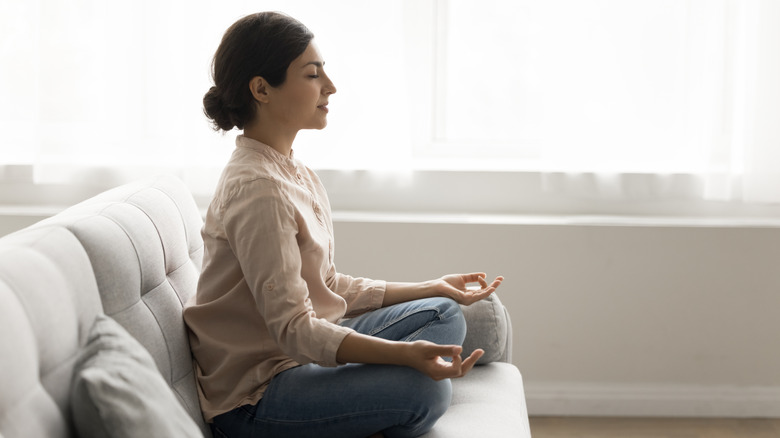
584,85
605,87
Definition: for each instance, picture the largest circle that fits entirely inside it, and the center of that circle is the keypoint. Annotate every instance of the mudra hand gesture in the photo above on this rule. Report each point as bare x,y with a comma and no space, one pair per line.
455,286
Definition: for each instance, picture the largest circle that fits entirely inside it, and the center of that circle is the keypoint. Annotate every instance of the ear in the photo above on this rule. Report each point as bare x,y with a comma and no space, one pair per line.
259,88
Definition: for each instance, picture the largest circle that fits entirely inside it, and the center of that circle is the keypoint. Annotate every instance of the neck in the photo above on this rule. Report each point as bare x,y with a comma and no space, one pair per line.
278,139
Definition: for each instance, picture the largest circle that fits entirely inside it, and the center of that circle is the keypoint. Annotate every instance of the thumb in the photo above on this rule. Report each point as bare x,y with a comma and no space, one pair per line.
444,350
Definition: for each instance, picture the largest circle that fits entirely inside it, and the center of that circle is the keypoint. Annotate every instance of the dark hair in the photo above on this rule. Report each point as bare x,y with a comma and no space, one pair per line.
262,44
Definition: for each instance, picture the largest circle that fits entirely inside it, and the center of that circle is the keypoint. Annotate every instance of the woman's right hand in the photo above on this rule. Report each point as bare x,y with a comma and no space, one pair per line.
424,356
428,358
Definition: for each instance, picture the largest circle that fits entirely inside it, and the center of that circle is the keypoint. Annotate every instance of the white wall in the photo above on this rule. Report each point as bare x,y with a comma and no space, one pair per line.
611,320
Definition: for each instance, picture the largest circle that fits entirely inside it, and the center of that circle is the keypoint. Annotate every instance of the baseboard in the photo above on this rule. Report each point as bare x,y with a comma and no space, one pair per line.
577,399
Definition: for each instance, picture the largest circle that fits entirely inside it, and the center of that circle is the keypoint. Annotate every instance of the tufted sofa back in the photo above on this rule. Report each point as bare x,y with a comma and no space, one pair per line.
48,300
134,253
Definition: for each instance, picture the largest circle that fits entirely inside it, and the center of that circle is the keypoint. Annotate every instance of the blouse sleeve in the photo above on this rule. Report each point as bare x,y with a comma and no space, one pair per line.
261,227
361,294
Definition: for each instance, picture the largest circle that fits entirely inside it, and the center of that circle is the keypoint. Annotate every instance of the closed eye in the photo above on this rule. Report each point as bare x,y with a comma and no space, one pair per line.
317,66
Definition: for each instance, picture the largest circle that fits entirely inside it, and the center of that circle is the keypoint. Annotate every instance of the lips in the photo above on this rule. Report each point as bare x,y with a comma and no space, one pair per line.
324,107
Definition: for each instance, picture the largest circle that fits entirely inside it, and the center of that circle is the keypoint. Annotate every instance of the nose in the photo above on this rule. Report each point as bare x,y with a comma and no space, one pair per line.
329,87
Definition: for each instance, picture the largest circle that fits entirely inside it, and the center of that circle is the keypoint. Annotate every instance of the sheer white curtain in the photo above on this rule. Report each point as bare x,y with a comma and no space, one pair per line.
112,90
757,130
562,87
610,87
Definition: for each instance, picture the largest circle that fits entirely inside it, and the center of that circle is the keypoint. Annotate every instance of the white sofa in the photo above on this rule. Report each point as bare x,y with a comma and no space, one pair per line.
134,253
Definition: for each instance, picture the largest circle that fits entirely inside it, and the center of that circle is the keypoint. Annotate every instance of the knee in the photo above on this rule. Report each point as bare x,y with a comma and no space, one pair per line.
451,314
436,397
430,401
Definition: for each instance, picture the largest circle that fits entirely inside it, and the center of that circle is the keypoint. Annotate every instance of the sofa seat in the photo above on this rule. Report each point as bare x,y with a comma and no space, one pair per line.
489,402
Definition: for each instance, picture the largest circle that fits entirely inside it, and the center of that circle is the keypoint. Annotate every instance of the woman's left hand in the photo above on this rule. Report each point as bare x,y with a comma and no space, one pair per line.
455,286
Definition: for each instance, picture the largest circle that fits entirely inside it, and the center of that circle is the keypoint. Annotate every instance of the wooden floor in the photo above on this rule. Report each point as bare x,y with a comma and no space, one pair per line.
587,427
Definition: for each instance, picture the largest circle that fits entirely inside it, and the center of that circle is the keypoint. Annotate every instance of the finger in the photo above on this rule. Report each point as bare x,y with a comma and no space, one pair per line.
434,350
481,295
439,369
477,295
470,361
454,368
473,277
480,277
457,364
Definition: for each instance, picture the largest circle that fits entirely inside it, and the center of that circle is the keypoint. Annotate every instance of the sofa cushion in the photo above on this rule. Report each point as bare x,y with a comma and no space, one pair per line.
117,390
488,329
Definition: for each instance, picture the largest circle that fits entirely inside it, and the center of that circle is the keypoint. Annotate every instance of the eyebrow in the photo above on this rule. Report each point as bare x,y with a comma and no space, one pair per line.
317,64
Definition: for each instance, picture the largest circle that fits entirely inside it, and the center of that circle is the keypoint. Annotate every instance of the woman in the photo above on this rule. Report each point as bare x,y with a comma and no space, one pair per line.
284,345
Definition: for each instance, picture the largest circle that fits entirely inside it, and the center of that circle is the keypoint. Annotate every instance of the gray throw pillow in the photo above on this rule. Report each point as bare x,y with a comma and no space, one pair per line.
117,390
486,324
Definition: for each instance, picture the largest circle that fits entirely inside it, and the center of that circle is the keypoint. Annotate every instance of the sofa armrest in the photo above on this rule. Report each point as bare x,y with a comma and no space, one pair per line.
489,328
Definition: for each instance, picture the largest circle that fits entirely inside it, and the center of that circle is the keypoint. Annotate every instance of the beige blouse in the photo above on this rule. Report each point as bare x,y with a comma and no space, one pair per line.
269,294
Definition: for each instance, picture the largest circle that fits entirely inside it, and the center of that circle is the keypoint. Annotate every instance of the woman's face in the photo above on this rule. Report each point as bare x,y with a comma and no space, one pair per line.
301,101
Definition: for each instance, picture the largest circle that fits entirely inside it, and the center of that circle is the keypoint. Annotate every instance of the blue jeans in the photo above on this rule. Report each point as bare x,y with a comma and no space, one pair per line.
357,400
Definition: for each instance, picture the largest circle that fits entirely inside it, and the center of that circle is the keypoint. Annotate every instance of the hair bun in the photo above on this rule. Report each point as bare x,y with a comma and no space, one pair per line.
215,109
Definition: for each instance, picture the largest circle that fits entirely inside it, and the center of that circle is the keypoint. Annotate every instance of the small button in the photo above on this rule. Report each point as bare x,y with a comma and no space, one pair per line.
299,176
269,287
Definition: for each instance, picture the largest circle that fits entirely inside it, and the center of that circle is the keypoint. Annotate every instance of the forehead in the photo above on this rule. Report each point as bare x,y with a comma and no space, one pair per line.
310,56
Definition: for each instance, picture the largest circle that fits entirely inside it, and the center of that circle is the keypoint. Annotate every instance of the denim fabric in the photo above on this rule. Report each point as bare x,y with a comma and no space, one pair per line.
357,400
